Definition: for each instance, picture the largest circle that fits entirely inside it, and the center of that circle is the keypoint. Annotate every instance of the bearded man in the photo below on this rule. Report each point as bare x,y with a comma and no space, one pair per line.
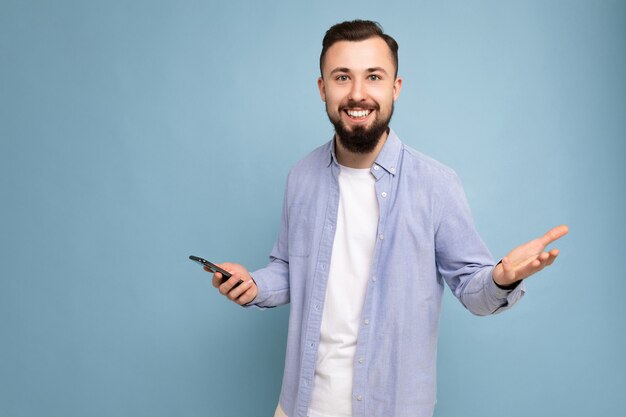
371,229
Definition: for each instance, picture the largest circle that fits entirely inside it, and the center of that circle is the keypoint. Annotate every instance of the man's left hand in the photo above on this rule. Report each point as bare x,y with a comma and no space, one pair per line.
528,258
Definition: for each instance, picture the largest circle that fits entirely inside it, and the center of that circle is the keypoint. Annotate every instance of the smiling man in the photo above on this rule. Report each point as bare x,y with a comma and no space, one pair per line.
371,229
359,98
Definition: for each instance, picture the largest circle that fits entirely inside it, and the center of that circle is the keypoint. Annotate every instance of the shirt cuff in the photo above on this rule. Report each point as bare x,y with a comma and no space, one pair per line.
505,297
260,295
509,287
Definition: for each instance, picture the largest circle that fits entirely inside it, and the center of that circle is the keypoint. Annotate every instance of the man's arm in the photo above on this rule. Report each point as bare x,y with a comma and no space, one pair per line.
264,288
466,265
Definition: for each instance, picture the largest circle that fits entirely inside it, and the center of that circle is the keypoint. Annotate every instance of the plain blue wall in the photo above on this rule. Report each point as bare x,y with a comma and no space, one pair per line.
136,133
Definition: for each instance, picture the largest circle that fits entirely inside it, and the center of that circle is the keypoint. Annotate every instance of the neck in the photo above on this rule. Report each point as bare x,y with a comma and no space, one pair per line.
358,160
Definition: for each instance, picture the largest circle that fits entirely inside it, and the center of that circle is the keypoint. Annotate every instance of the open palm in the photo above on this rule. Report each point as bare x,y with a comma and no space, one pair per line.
529,258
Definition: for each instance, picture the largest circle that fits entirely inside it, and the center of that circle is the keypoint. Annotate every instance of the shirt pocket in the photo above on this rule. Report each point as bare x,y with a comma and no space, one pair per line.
300,230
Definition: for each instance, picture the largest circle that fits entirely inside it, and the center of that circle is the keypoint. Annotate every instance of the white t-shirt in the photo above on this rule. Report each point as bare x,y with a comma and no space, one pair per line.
353,250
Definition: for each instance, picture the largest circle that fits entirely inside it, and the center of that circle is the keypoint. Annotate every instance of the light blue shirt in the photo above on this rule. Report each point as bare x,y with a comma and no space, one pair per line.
425,236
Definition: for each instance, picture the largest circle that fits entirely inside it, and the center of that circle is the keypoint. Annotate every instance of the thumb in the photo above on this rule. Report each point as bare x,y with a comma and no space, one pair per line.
508,270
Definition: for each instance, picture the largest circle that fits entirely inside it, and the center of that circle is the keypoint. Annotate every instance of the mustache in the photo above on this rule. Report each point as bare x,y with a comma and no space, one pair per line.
359,105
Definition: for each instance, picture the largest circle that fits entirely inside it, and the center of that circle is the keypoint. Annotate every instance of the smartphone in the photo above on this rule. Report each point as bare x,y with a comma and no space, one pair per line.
214,268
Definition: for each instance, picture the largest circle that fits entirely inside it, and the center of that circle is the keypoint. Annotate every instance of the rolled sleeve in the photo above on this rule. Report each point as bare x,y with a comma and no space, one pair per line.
506,298
272,284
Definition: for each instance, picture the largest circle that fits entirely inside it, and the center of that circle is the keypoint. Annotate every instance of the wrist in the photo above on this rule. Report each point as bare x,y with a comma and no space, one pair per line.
507,287
498,271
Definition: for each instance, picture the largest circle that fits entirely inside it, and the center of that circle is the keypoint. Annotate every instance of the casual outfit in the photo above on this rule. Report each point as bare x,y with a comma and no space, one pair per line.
362,337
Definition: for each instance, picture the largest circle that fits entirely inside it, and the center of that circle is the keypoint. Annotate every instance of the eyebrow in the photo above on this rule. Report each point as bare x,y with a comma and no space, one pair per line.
340,69
377,69
369,70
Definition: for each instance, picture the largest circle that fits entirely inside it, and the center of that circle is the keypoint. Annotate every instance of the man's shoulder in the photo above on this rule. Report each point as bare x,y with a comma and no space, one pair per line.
318,158
422,164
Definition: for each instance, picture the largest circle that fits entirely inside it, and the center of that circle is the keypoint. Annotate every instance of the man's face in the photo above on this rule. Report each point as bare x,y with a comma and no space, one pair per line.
359,88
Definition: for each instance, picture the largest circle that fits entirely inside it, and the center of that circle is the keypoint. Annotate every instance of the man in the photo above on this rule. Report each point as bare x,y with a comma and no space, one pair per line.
370,231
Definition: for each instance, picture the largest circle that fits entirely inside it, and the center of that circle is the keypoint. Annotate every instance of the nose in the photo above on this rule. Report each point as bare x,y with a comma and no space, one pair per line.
357,92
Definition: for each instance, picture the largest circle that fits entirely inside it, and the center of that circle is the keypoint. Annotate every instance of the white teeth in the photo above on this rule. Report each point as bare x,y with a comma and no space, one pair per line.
358,113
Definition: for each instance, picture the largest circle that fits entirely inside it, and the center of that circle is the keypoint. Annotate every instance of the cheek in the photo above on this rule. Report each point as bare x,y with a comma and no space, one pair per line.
336,95
333,103
386,100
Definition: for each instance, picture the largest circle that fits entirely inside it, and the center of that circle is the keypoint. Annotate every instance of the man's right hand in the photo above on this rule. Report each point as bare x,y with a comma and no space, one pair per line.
243,293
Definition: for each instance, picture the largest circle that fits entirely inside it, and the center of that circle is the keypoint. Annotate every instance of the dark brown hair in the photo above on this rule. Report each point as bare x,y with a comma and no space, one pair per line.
354,31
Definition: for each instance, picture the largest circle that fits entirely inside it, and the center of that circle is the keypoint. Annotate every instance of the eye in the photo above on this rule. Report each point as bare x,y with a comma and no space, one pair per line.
373,77
342,78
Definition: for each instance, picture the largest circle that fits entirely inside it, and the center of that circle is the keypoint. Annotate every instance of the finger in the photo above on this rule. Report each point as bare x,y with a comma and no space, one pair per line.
221,279
542,260
216,281
554,234
225,287
217,278
529,269
553,254
248,296
238,290
543,257
230,283
546,258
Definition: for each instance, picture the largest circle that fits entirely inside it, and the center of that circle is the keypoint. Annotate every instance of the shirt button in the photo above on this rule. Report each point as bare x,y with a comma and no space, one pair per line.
374,278
381,236
384,194
361,359
392,169
375,167
359,397
317,306
366,322
312,344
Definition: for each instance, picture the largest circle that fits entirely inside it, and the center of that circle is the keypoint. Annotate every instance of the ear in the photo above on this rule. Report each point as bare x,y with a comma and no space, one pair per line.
397,86
322,88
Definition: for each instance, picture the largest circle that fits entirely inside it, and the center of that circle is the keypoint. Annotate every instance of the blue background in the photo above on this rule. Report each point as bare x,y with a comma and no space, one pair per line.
136,133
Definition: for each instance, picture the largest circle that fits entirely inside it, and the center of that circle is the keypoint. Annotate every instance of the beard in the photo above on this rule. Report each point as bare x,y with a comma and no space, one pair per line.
360,139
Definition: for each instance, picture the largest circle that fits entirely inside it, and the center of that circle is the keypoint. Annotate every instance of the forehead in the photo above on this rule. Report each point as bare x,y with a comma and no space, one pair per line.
359,56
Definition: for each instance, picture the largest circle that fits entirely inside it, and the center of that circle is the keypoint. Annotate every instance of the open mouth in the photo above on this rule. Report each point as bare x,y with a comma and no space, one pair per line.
358,114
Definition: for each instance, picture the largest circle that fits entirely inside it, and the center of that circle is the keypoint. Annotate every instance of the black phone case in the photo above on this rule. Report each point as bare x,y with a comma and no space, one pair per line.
214,268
